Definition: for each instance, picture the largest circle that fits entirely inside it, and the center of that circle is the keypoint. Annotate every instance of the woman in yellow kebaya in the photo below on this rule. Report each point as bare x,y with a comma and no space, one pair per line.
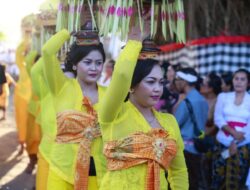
33,121
77,161
22,94
140,144
48,123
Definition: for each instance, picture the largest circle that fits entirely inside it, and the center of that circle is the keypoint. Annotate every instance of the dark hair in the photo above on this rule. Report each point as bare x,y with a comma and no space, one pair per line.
142,69
214,82
78,52
112,62
37,57
164,66
242,70
227,78
176,67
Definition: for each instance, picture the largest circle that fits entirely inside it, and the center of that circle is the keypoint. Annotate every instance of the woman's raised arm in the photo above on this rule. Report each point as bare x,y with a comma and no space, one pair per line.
121,81
53,73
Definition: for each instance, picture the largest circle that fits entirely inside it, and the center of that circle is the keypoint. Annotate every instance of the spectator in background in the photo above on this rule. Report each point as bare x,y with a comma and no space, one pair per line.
170,97
210,89
2,78
185,82
107,74
232,117
226,79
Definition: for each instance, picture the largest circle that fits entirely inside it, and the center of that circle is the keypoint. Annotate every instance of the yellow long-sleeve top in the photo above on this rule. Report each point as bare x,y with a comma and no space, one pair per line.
34,104
67,95
23,88
119,120
47,110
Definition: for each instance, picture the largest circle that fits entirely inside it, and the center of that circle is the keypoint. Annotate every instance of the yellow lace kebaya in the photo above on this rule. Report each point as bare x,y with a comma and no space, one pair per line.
47,118
33,127
67,95
129,162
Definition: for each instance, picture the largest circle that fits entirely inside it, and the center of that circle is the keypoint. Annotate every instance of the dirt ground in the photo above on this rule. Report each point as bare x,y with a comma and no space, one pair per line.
12,166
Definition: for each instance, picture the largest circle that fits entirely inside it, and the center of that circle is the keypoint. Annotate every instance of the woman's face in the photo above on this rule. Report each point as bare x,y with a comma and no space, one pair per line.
224,86
90,67
148,92
205,88
109,69
170,73
240,82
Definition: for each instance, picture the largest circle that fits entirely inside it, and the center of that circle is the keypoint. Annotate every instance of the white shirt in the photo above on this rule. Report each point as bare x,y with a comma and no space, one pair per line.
226,111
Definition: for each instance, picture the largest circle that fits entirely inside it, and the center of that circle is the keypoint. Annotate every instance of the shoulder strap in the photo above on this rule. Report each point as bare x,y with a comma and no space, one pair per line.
197,131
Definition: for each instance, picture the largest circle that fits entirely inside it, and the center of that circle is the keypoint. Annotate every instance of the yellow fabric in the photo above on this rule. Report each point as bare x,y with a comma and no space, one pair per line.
33,106
79,128
29,60
4,97
33,128
24,82
22,93
67,95
47,119
154,148
119,120
21,115
42,173
32,135
55,182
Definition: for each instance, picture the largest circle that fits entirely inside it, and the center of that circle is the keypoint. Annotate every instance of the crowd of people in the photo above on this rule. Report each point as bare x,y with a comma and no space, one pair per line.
131,125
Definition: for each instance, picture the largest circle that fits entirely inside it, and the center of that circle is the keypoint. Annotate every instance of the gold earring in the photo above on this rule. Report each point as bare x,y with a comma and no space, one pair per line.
131,91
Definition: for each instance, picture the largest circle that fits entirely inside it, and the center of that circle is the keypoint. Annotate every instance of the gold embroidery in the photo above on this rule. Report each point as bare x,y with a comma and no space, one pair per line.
80,128
154,148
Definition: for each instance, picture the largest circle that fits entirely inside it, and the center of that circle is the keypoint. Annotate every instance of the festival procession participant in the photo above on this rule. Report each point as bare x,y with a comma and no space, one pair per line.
4,97
141,144
2,79
22,94
48,123
33,122
77,161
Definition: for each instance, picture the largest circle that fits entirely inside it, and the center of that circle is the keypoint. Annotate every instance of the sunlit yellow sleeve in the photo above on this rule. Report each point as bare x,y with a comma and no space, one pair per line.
20,55
53,73
121,81
177,173
36,73
30,59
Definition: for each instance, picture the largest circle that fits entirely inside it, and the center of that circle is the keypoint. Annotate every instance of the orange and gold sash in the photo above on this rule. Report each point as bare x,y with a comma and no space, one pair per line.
80,128
154,148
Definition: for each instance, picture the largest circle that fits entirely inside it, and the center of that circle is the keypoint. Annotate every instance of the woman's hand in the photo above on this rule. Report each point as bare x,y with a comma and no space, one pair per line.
239,136
233,148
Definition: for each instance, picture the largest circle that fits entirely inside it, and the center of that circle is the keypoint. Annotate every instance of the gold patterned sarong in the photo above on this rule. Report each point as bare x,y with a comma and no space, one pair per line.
80,128
154,148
